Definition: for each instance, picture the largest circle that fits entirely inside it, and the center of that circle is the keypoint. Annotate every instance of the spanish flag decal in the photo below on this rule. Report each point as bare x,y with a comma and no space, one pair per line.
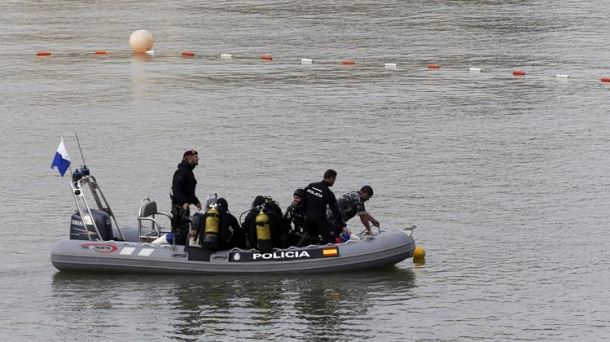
330,252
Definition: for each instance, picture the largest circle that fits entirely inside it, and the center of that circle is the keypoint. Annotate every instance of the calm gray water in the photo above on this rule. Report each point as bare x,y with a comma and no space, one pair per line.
508,179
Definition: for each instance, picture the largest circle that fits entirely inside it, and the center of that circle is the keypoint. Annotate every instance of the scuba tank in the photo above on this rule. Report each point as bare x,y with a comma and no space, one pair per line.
263,232
212,228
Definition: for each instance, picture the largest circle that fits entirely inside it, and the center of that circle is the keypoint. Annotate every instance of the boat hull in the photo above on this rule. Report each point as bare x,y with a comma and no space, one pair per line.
385,249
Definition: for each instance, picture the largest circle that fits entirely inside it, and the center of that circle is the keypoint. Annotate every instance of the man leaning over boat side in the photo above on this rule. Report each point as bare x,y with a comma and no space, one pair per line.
183,195
352,203
318,197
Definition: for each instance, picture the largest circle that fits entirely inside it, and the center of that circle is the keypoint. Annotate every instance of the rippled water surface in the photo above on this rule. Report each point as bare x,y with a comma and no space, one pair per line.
507,178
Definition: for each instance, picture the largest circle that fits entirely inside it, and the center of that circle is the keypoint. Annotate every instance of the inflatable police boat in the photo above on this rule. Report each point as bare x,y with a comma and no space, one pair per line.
98,244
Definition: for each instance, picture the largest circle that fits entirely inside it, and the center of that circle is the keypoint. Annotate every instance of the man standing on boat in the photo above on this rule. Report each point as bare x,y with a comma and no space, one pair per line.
183,195
319,197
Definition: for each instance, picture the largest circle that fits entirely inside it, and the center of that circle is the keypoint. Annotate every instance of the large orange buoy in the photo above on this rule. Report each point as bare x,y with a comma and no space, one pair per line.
605,79
348,62
518,73
266,58
100,52
43,53
188,54
141,41
433,66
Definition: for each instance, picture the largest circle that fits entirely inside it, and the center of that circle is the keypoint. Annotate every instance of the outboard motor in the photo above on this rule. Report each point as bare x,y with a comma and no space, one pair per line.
78,230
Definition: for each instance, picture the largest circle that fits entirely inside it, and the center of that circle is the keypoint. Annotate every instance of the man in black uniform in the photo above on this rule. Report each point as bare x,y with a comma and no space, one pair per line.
318,197
183,195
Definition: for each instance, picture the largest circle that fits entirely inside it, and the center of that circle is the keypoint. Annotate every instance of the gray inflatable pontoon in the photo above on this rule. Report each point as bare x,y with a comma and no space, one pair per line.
96,245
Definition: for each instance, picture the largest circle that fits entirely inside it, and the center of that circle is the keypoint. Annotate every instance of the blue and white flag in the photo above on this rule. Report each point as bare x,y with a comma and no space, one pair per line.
62,159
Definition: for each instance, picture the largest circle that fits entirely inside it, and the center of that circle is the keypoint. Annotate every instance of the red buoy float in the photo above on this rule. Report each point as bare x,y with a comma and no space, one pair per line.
43,53
100,52
605,79
518,73
348,62
188,54
266,58
433,66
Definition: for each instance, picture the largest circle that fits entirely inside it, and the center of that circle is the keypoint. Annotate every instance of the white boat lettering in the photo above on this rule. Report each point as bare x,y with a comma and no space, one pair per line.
281,255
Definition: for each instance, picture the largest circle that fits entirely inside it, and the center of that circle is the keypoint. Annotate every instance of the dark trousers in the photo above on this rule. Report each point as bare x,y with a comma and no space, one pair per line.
315,228
181,224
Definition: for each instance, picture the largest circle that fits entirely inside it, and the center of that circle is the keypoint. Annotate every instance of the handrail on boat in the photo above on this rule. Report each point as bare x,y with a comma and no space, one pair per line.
147,212
84,209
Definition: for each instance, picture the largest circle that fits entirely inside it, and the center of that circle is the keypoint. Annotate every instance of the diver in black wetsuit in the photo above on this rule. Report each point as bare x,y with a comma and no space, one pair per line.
318,197
233,235
295,219
266,205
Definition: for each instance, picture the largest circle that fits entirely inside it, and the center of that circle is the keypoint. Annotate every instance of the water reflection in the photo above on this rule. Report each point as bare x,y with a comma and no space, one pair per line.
141,58
284,306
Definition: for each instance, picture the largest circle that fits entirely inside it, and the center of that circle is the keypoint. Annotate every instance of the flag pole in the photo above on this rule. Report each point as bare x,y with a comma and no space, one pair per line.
69,165
80,150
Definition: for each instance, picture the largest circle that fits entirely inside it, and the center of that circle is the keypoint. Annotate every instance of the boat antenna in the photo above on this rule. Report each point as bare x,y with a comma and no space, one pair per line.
70,164
81,150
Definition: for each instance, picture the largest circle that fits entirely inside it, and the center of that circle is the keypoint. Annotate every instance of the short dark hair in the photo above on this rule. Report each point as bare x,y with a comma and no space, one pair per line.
189,153
367,189
330,173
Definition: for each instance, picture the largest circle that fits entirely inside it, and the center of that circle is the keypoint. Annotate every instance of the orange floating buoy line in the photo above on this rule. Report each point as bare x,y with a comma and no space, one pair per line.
268,58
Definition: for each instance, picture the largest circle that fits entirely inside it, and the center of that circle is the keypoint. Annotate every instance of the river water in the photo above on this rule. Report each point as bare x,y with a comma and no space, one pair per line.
507,178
